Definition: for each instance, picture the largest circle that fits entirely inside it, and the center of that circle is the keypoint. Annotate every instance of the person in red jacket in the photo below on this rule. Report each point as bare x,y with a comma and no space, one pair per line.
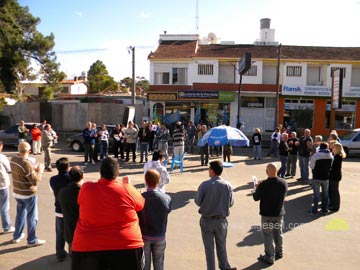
107,234
36,140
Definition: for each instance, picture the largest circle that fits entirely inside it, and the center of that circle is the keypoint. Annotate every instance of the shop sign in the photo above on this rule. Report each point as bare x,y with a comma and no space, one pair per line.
252,102
316,91
351,92
161,96
225,96
196,95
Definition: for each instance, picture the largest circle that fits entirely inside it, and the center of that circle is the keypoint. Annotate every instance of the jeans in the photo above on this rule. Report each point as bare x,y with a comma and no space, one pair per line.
273,148
178,150
291,164
60,241
324,184
257,151
282,170
215,229
154,249
144,151
104,149
304,167
26,208
4,209
272,233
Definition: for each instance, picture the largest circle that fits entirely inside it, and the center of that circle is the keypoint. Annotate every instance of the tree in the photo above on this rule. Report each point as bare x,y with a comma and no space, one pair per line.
21,45
99,78
141,84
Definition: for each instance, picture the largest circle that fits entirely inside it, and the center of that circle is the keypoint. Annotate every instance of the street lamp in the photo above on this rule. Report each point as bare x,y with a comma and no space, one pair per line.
244,66
131,51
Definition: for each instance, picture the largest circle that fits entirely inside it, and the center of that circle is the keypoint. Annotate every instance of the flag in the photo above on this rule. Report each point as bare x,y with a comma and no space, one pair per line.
171,118
197,117
155,115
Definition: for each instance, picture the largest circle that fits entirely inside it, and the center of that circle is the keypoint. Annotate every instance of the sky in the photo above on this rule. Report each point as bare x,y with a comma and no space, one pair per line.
90,30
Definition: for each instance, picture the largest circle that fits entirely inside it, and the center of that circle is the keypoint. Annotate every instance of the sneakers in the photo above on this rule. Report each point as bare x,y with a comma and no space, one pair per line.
265,259
37,243
17,240
11,230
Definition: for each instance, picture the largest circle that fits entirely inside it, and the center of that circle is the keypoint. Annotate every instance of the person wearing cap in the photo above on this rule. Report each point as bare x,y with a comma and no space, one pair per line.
215,197
26,177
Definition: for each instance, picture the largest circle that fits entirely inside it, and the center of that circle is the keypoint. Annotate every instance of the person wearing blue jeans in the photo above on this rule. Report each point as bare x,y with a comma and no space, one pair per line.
215,197
25,177
4,192
256,141
153,221
320,164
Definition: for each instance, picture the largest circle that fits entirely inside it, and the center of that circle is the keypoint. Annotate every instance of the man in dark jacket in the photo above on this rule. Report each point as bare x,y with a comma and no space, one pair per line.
58,182
68,201
320,164
271,193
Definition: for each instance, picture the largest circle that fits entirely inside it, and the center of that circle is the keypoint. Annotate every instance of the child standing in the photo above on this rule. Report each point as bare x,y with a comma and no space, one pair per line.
153,221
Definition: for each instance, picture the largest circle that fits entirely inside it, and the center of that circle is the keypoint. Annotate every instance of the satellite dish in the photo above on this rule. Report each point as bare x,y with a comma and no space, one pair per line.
212,38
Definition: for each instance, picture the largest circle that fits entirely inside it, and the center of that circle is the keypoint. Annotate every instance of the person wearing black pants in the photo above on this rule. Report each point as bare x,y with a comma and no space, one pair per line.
335,177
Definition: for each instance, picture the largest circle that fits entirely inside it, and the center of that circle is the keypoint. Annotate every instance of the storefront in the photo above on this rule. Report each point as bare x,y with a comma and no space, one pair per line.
205,107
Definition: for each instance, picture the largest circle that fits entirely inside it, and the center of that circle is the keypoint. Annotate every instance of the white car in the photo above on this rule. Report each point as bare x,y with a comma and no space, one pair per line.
351,142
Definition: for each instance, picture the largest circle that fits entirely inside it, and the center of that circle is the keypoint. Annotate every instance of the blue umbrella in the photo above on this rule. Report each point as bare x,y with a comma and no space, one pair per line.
223,135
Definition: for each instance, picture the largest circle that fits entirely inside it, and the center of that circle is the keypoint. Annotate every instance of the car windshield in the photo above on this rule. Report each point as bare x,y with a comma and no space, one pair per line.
349,135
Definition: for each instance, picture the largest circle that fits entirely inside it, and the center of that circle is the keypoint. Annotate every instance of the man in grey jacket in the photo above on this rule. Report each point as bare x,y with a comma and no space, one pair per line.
215,197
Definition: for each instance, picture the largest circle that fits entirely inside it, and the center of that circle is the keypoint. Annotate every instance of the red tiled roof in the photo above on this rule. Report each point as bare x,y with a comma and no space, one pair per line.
183,49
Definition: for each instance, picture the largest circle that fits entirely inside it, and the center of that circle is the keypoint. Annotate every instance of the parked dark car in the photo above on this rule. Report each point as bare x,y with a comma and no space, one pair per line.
9,136
76,141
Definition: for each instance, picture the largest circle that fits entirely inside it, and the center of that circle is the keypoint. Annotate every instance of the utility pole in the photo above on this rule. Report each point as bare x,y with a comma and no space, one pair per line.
133,85
277,86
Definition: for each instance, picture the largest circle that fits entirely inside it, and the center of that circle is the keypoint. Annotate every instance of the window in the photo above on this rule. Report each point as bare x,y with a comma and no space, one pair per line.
298,113
293,71
252,71
344,117
205,69
162,78
338,68
179,76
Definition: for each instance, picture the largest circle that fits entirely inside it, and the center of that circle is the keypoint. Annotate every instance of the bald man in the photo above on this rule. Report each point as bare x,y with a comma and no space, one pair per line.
26,176
271,193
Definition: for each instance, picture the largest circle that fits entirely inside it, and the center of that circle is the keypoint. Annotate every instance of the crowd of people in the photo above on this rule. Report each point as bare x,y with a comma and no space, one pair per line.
87,213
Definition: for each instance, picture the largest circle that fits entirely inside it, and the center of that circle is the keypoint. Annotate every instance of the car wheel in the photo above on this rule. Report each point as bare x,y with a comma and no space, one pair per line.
76,146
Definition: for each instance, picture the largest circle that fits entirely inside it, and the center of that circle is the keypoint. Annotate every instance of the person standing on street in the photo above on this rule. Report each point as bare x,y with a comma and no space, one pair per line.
131,134
46,142
256,140
57,183
178,137
163,135
271,193
293,143
26,178
36,139
215,197
22,132
4,192
68,202
190,140
305,146
153,221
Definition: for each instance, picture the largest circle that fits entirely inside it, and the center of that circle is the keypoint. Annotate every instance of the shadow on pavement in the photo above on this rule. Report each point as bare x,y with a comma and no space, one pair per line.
181,198
257,266
45,263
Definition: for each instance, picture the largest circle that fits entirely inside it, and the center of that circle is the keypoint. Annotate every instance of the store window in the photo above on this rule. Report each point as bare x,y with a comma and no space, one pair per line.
213,114
299,113
344,117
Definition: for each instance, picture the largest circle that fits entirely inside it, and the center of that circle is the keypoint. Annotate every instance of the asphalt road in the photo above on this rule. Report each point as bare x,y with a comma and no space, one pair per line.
329,242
